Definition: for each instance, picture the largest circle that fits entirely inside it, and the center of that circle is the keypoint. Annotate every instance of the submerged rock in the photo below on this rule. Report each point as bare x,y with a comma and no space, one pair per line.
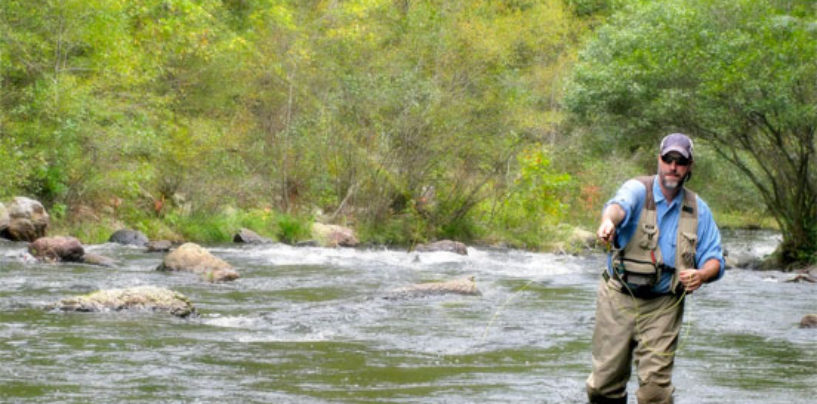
743,260
307,243
159,246
462,286
803,278
96,259
444,245
190,257
147,298
809,321
57,249
128,237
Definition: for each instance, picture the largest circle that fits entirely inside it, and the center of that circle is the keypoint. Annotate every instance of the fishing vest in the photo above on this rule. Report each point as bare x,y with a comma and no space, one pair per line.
640,263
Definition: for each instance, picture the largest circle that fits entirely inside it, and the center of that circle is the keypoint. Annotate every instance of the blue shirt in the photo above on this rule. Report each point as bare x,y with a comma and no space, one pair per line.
631,197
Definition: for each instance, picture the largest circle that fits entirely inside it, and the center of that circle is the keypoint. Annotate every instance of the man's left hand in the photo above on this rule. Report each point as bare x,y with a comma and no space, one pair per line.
691,279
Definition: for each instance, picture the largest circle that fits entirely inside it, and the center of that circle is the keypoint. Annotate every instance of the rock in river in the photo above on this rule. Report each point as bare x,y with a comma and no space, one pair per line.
248,236
27,220
463,286
96,259
145,298
129,237
331,235
57,249
191,257
809,321
159,246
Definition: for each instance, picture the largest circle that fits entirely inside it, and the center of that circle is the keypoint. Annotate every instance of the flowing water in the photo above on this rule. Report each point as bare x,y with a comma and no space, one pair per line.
320,325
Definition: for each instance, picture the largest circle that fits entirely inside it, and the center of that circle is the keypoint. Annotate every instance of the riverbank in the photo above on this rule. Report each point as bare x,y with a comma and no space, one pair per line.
94,227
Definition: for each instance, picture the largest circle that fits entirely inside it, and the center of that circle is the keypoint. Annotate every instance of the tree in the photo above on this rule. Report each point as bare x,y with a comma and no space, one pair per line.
739,75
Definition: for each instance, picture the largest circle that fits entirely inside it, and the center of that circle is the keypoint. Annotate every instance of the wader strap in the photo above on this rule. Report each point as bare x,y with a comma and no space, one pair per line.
648,180
649,221
686,241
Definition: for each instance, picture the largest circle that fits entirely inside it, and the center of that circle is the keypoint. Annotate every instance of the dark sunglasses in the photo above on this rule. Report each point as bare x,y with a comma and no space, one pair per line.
678,160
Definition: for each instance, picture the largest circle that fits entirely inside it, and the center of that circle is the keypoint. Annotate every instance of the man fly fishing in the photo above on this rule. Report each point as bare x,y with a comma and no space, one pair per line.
664,245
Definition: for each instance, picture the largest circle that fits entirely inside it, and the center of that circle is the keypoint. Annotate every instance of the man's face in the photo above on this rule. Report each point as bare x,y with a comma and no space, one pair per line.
672,169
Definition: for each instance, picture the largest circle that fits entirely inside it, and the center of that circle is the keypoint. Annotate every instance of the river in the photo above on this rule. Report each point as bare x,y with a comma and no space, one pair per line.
316,325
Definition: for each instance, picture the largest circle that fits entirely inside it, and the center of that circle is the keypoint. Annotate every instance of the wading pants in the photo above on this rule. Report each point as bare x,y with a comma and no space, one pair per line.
627,329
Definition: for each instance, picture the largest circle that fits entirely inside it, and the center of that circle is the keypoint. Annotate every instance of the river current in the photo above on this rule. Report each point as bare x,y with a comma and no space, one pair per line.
320,325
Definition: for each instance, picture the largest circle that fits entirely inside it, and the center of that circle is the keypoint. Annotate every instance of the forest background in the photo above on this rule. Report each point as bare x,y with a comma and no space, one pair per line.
409,120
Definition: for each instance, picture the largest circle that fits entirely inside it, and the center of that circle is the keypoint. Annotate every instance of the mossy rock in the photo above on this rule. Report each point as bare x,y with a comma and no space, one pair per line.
140,298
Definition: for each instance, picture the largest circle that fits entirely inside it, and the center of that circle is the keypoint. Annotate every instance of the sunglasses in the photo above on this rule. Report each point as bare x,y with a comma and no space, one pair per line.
678,160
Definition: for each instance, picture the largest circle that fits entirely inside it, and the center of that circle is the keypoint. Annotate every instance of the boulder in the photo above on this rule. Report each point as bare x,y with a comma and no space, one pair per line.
443,245
4,218
57,249
190,257
96,259
809,321
331,235
743,260
141,298
129,237
27,220
159,246
249,237
463,286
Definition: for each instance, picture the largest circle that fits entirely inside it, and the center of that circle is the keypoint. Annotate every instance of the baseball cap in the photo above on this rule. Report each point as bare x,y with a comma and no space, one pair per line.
677,142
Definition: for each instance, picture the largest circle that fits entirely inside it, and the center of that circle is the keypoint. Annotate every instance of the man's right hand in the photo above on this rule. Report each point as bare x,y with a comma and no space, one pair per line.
606,231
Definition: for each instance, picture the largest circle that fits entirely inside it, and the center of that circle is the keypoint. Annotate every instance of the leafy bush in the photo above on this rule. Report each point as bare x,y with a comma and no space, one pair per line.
292,229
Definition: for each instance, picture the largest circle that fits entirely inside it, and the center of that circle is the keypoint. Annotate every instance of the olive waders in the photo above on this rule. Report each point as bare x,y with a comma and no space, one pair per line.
632,321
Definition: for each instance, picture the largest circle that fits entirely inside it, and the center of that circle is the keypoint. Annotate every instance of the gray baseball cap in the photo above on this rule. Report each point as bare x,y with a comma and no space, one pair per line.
677,142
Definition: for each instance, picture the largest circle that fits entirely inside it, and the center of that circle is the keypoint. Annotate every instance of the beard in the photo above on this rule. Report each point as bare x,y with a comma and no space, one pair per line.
671,184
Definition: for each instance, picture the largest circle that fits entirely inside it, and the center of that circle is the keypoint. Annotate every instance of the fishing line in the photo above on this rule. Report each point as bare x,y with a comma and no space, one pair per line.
500,309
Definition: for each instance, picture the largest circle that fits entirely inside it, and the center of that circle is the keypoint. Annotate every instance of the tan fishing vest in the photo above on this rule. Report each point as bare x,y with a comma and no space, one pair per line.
641,258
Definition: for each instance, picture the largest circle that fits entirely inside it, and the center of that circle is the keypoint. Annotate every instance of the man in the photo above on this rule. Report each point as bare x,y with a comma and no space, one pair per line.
664,246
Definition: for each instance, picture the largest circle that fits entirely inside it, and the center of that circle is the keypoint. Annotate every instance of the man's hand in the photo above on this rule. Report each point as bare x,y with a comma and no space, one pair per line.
691,279
612,216
606,231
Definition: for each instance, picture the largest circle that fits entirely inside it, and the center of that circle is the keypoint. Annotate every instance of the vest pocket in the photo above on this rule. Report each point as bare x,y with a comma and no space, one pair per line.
686,248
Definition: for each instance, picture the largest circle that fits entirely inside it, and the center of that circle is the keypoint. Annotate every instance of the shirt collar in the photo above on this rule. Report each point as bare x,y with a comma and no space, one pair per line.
659,196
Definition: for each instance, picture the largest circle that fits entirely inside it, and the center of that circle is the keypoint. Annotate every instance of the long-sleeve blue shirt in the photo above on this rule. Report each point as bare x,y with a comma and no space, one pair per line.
631,197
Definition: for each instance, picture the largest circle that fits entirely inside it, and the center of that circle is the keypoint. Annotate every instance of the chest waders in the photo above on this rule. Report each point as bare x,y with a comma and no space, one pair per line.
640,264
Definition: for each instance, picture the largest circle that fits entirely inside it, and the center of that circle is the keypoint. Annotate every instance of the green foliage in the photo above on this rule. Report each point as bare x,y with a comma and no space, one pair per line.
730,73
536,190
58,211
534,203
406,229
404,117
588,7
88,232
292,229
205,227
